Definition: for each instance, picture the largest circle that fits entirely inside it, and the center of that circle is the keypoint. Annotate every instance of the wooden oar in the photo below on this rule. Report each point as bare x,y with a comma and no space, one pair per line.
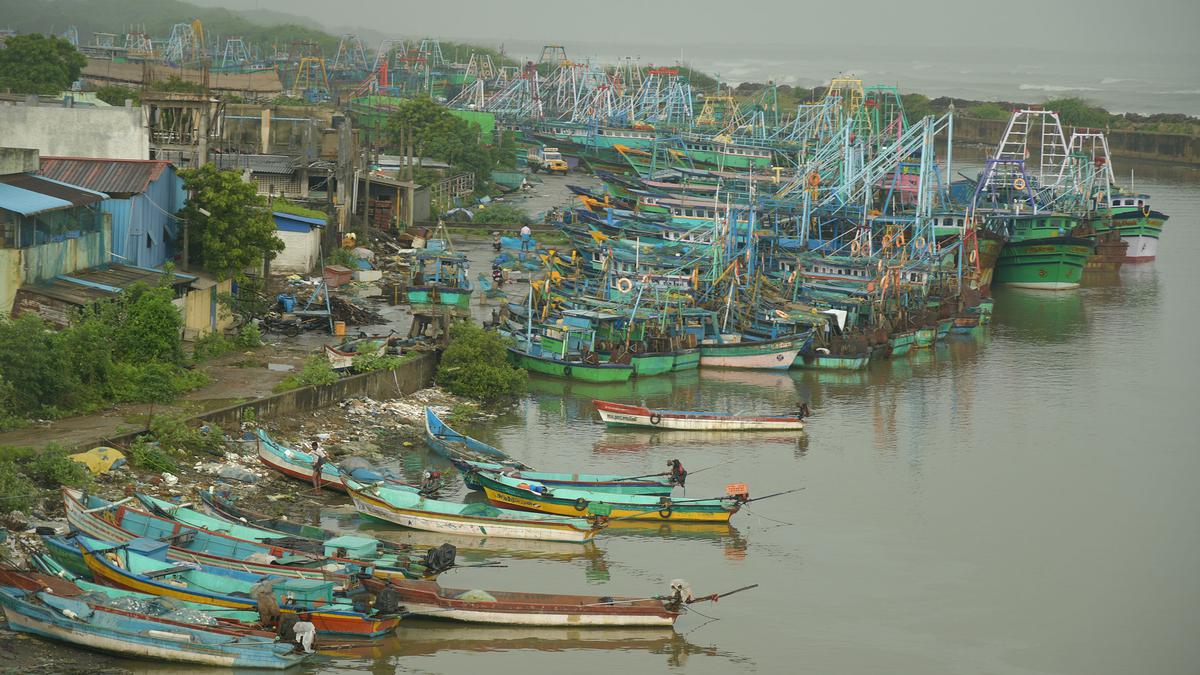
717,596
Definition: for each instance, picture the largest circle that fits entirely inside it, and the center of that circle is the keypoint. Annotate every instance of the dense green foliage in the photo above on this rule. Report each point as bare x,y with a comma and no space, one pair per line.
39,64
1078,112
440,135
365,363
26,474
238,232
475,365
124,349
284,206
501,214
988,111
114,94
342,256
316,371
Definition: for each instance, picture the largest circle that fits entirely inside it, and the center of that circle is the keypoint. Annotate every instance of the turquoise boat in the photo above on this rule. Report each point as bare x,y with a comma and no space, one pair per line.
818,361
943,328
440,278
91,626
902,342
142,565
925,337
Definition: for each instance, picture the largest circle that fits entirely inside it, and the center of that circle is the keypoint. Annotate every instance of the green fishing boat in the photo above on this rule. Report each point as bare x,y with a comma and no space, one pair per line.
686,359
925,337
1040,253
943,327
902,342
819,361
1139,225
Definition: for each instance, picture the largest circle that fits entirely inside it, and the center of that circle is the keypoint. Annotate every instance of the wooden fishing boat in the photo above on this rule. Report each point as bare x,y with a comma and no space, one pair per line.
820,361
141,565
408,509
359,549
427,598
446,442
501,489
120,522
619,414
943,327
755,354
925,336
570,369
452,445
965,324
902,342
342,356
71,620
298,464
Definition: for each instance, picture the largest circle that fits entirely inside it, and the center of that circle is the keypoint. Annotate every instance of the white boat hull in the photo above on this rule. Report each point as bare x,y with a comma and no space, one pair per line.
1043,286
449,525
773,361
535,619
1142,248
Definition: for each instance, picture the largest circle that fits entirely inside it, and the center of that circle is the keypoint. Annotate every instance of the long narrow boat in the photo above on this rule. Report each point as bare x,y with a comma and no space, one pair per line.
76,622
447,442
571,370
501,489
298,464
819,361
119,522
382,502
619,414
146,571
343,547
452,445
427,598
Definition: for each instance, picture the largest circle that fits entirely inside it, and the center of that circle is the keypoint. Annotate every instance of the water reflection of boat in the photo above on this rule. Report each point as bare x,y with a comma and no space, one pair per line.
622,440
478,548
719,534
1044,317
426,637
618,391
759,380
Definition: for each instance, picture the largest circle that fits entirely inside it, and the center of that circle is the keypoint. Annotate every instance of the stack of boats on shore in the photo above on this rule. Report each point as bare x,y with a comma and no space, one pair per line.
788,245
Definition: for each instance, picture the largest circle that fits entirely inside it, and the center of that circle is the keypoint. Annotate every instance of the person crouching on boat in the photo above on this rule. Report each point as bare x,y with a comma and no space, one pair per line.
802,410
678,475
306,633
319,457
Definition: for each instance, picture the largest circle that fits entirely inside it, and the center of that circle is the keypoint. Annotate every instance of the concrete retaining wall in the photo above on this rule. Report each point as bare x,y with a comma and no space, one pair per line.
1136,145
116,132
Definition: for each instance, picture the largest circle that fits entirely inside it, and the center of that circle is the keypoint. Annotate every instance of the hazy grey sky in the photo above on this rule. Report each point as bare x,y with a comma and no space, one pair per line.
1123,25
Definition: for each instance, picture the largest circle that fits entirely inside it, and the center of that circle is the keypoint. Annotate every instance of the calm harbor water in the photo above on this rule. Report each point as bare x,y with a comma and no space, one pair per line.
1022,502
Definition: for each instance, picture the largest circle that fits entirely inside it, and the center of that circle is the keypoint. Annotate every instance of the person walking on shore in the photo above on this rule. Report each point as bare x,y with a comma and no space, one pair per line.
319,456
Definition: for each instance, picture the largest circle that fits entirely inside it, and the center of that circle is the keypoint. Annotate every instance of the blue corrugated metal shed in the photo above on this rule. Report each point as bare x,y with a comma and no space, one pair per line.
27,202
290,222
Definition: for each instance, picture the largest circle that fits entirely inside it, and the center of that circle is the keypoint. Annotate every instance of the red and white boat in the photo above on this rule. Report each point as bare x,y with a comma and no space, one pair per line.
619,414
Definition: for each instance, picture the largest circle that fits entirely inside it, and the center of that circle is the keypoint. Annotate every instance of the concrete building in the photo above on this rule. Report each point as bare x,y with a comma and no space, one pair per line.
87,131
143,198
301,239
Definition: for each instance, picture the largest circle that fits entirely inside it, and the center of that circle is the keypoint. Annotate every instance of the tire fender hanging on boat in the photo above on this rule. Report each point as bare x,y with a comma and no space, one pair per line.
655,418
581,504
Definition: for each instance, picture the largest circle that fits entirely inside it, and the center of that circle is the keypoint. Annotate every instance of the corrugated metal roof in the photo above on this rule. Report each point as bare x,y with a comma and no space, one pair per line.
77,196
113,176
276,164
27,202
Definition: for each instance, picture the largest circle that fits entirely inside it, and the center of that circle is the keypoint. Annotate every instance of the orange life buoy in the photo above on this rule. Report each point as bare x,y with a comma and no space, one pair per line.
870,286
624,284
973,257
1019,183
919,243
900,239
814,179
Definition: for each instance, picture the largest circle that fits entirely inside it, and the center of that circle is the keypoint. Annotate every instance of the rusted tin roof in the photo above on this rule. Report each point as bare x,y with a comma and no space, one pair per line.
112,176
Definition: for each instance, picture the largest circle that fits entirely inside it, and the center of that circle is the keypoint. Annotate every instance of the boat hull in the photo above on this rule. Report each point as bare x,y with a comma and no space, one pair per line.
833,362
773,355
1044,264
448,524
686,359
571,370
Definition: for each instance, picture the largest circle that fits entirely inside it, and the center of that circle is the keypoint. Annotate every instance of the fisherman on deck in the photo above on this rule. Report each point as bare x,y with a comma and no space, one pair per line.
306,632
678,475
319,457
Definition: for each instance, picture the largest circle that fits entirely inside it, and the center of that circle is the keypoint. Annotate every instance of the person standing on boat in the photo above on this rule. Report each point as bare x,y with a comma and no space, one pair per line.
526,241
319,457
306,632
678,475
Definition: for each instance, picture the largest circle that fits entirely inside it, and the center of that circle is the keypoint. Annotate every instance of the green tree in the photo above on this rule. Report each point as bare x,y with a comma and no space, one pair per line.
988,111
439,134
114,94
475,365
1078,112
500,214
916,106
237,231
39,64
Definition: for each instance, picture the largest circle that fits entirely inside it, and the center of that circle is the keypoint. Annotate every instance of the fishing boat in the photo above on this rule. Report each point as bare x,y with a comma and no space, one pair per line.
1139,225
342,356
360,549
440,278
119,522
501,489
73,621
821,360
408,509
533,609
446,441
141,565
731,351
453,446
924,337
1041,253
943,327
619,414
299,464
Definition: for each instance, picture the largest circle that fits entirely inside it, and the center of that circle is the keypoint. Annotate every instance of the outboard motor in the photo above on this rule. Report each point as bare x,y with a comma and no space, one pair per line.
387,601
440,558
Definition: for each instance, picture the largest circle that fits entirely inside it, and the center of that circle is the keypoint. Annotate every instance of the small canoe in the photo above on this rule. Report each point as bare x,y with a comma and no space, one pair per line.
70,620
501,489
144,570
619,414
121,523
298,464
357,549
408,509
427,598
451,445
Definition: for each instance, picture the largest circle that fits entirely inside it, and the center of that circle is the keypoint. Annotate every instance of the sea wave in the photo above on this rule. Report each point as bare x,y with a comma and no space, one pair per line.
1054,88
1118,80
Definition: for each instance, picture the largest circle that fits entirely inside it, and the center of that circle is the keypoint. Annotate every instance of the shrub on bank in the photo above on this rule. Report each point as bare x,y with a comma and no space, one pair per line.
475,365
316,370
